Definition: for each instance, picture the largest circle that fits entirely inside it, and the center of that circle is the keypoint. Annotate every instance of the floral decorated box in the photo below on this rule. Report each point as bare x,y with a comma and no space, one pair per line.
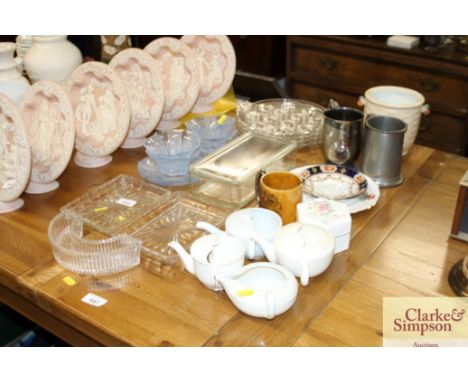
330,214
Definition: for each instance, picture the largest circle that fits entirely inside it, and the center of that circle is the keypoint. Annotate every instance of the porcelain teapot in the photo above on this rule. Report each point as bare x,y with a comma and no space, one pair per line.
240,223
306,250
212,257
262,289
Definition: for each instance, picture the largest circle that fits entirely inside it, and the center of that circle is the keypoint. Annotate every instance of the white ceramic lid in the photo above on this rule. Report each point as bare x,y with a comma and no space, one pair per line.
15,154
394,96
48,119
145,89
299,240
101,107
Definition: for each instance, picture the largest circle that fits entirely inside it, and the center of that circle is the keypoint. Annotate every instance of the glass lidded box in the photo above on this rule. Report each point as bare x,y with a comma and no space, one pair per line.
229,172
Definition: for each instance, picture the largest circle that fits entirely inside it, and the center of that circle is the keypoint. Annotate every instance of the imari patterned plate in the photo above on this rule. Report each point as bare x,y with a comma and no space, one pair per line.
363,202
333,182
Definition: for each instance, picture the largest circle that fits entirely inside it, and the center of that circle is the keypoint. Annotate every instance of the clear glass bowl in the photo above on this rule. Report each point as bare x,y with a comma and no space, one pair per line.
290,119
173,150
87,252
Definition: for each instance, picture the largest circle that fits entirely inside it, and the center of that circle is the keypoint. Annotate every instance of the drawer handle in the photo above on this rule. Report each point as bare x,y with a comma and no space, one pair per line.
429,85
328,63
425,125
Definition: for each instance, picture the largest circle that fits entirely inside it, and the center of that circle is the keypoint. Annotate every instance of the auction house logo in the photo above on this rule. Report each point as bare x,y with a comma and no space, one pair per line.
425,321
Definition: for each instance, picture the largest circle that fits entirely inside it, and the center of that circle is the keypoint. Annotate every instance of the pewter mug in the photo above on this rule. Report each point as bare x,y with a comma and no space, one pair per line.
342,134
383,147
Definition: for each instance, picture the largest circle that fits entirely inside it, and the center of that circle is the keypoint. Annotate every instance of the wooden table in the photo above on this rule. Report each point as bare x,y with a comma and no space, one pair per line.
400,247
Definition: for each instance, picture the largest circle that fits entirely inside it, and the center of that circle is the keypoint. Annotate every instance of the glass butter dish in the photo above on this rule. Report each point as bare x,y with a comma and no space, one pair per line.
229,172
175,220
87,252
112,206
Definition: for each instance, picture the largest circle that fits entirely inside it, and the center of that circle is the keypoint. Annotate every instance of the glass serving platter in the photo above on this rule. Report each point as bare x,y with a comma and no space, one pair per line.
287,119
175,220
114,205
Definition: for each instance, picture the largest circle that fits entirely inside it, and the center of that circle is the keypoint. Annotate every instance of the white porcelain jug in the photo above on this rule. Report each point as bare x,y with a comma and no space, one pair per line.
398,102
51,58
9,66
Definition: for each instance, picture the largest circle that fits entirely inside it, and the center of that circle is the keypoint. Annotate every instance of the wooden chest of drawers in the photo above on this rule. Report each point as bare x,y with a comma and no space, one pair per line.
324,67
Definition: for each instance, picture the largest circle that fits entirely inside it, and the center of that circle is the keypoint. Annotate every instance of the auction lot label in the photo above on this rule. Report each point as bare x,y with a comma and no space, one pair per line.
425,321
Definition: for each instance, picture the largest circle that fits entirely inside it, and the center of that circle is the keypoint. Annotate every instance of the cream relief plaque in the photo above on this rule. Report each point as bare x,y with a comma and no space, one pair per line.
101,109
216,60
145,89
48,118
179,72
15,156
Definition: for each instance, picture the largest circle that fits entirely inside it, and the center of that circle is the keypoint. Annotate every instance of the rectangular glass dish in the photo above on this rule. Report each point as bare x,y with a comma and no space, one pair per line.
118,203
175,219
229,172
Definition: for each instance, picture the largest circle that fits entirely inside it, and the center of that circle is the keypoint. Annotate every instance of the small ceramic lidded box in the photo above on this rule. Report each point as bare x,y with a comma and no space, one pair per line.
330,214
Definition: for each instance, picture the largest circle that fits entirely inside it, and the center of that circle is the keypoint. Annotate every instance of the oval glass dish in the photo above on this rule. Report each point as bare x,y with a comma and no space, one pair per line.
289,119
87,252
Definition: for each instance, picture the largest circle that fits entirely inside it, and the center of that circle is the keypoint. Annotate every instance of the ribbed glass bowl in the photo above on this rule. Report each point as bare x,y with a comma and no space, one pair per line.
87,252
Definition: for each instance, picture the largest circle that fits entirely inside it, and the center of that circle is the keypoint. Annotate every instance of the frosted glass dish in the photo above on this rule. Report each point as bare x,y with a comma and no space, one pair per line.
114,205
175,220
88,253
212,131
289,119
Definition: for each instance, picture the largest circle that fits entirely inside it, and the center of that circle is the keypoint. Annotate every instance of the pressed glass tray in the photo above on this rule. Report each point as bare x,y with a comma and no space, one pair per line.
87,252
176,220
116,204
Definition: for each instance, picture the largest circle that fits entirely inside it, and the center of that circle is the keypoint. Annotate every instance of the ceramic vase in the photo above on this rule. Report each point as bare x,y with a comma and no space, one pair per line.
51,58
9,70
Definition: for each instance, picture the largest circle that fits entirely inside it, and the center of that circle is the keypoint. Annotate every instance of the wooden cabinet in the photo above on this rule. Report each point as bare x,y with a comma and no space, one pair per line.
324,67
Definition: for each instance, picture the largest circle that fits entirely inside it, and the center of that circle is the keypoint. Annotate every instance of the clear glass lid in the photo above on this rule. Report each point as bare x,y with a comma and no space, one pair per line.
242,158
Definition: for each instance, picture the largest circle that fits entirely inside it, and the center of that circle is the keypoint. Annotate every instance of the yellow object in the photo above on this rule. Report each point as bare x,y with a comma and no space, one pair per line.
221,106
69,281
221,119
99,209
245,292
120,218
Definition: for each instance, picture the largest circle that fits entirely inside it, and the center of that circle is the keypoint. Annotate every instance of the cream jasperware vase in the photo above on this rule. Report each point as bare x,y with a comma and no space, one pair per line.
51,58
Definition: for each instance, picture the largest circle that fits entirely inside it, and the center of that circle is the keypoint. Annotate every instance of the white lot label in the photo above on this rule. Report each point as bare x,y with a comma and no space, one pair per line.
126,202
94,300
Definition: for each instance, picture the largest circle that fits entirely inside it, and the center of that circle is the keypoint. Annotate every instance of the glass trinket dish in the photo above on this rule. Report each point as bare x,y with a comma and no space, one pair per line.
110,207
175,220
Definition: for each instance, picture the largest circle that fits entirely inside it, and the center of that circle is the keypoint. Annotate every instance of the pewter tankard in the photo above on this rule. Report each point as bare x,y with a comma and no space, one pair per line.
383,147
342,134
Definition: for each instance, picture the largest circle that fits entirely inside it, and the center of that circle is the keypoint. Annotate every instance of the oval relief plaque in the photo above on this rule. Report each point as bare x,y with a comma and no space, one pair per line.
178,69
145,89
216,61
48,118
101,108
15,154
